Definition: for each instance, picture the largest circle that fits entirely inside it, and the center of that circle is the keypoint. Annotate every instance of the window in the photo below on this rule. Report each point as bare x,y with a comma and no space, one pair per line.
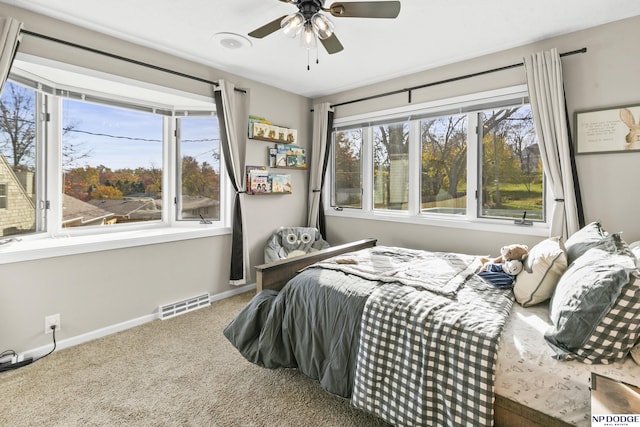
3,196
443,162
347,169
111,165
472,159
391,166
511,179
118,158
199,168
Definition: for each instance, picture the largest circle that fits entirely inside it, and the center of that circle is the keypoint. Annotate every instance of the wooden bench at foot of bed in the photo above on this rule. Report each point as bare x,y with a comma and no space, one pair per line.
507,413
276,274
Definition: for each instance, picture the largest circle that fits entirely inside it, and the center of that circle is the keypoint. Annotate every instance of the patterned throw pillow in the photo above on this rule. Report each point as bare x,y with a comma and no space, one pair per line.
543,267
595,309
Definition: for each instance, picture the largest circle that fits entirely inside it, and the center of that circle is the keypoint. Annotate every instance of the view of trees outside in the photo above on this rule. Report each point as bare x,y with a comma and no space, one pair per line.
122,154
347,183
391,166
110,154
17,160
512,175
443,175
200,169
111,164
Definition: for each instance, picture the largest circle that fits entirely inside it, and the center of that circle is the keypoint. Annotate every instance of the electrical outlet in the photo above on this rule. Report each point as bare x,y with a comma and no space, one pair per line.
51,320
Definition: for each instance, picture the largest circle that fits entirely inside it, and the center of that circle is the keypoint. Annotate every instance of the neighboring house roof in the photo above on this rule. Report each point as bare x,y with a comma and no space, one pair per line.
130,208
195,202
76,211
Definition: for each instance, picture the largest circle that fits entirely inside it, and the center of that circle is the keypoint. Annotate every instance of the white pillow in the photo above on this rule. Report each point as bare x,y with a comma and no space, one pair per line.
635,249
543,267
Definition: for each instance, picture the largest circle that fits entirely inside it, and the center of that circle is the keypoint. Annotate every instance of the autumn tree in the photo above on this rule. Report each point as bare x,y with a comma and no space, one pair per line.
82,181
348,173
108,192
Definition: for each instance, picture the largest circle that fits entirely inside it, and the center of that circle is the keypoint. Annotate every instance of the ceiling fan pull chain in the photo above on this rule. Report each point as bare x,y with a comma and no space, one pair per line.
308,67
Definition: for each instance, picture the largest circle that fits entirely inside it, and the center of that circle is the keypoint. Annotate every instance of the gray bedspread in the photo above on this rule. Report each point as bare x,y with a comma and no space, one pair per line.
412,351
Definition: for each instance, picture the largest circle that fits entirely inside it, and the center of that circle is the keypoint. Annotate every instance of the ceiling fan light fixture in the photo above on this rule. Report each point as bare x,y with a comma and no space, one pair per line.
292,24
322,26
308,37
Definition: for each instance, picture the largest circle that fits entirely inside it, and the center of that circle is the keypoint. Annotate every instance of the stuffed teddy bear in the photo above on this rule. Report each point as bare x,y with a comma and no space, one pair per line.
514,251
512,267
502,271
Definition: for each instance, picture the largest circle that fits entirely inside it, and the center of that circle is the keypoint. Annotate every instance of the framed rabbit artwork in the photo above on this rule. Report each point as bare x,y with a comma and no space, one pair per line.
610,130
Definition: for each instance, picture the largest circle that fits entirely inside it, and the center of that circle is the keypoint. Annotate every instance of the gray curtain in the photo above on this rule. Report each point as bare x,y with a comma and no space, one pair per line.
9,40
320,149
232,107
546,93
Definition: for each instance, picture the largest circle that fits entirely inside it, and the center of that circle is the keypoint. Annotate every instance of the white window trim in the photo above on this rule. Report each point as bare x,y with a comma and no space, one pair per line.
413,215
57,241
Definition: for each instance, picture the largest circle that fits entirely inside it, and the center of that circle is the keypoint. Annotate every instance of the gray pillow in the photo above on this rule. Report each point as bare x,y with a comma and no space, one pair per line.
584,239
595,308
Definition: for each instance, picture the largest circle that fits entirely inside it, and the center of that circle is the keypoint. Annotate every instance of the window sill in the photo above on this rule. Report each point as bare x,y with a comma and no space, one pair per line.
46,246
491,226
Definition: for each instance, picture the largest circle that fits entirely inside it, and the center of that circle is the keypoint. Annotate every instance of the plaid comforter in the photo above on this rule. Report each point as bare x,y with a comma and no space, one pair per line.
428,358
409,336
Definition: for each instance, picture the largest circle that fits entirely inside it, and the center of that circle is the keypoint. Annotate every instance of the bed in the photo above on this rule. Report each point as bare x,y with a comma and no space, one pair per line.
452,351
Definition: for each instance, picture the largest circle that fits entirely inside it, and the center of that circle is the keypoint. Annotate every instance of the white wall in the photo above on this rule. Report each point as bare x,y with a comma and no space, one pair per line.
97,290
605,76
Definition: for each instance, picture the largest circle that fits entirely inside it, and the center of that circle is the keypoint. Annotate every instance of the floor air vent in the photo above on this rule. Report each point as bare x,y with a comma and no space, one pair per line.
168,311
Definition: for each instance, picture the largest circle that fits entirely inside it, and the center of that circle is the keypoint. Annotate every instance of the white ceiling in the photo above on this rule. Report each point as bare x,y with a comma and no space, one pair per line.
426,34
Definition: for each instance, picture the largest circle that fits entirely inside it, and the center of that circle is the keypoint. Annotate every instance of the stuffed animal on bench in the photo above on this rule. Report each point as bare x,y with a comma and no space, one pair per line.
287,242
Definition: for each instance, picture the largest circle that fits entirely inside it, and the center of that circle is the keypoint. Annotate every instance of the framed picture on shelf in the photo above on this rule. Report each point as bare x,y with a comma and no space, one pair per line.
260,130
292,136
272,132
608,130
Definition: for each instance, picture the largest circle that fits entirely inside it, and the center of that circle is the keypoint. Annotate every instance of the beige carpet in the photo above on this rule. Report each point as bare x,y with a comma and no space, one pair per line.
177,372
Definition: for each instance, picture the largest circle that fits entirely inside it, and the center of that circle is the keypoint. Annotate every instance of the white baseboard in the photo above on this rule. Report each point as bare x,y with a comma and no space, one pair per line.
108,330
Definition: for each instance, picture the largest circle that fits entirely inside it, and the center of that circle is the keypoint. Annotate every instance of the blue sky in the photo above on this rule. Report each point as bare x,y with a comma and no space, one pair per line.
120,138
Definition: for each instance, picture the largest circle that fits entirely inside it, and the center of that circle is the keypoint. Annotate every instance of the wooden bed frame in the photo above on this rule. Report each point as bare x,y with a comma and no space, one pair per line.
275,275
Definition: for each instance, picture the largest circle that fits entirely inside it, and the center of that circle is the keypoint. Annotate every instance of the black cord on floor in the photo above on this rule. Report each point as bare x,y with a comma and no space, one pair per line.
8,366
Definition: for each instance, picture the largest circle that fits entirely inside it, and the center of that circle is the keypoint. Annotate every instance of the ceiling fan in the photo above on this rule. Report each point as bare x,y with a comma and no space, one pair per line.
312,23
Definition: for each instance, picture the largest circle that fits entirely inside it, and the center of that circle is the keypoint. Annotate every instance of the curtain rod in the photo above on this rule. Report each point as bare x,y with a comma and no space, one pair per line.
122,58
452,79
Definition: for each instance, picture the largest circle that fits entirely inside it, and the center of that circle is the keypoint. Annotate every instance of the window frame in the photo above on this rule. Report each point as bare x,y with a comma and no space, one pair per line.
472,219
50,239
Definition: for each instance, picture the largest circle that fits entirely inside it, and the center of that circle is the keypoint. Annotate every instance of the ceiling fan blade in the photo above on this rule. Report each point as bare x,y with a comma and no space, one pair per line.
366,9
267,29
332,44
